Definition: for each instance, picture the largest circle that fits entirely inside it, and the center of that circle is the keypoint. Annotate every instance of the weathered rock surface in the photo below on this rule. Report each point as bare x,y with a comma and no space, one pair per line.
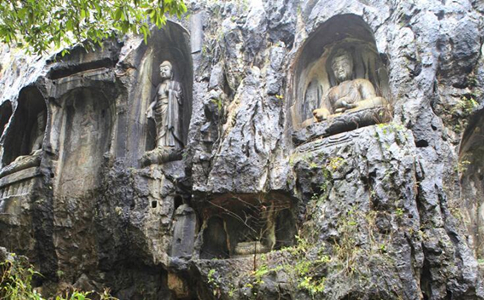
387,211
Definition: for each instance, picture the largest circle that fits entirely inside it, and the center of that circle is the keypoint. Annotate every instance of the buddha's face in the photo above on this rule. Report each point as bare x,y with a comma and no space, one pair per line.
165,71
342,68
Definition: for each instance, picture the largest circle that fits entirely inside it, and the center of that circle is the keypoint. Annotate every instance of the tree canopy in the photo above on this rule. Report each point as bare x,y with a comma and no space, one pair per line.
39,25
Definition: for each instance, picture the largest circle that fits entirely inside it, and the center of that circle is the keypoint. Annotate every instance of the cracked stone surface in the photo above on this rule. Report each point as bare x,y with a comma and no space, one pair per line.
387,211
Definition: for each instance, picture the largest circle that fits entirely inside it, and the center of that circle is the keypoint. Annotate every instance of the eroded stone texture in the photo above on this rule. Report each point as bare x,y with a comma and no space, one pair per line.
409,38
369,192
379,211
184,231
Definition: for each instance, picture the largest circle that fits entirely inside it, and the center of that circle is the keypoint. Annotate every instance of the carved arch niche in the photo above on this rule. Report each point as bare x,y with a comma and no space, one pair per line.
26,131
87,122
312,76
172,44
241,225
471,166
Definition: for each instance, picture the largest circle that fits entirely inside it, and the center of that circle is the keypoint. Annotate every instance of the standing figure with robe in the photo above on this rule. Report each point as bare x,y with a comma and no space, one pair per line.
164,110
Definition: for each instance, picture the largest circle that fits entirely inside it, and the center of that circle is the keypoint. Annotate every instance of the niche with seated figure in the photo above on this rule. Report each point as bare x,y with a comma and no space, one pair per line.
471,166
339,80
25,134
244,225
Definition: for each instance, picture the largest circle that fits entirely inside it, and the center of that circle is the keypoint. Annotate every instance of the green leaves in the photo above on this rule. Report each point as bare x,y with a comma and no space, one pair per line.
40,25
16,283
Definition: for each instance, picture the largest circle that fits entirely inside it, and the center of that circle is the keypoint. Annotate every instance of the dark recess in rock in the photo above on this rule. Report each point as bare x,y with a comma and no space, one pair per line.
255,200
26,131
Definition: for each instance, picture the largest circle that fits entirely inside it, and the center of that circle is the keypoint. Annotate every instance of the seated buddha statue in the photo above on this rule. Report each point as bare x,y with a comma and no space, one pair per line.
348,95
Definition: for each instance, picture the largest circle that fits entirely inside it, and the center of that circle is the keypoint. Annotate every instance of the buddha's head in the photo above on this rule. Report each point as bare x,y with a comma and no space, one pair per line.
166,70
342,65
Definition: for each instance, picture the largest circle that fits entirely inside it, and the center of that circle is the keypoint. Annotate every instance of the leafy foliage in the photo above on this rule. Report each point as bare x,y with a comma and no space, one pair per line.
309,272
16,280
16,283
39,25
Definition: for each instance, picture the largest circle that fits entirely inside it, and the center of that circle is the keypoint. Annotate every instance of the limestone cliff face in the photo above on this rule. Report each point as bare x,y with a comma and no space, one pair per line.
257,204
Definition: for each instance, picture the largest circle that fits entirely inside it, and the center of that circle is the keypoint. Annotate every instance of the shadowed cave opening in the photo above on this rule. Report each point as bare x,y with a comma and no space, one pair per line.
150,135
26,133
241,226
215,240
285,229
178,200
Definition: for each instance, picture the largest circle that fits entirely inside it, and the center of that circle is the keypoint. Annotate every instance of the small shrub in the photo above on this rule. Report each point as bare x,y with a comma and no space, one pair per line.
16,283
16,279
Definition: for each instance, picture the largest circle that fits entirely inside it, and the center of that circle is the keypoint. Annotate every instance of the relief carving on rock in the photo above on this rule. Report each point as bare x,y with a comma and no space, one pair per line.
22,144
26,133
37,134
165,111
349,95
341,82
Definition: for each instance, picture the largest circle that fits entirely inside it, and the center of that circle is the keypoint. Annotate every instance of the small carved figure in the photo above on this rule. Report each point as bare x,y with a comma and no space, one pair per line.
37,134
348,95
36,139
165,109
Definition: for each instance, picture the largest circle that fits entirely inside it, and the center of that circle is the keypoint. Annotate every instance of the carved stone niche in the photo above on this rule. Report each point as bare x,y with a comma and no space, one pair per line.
25,134
245,225
22,144
340,82
86,119
166,102
471,166
184,231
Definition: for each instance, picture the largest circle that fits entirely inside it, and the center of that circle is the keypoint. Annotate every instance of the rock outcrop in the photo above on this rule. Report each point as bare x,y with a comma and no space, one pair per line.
374,199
